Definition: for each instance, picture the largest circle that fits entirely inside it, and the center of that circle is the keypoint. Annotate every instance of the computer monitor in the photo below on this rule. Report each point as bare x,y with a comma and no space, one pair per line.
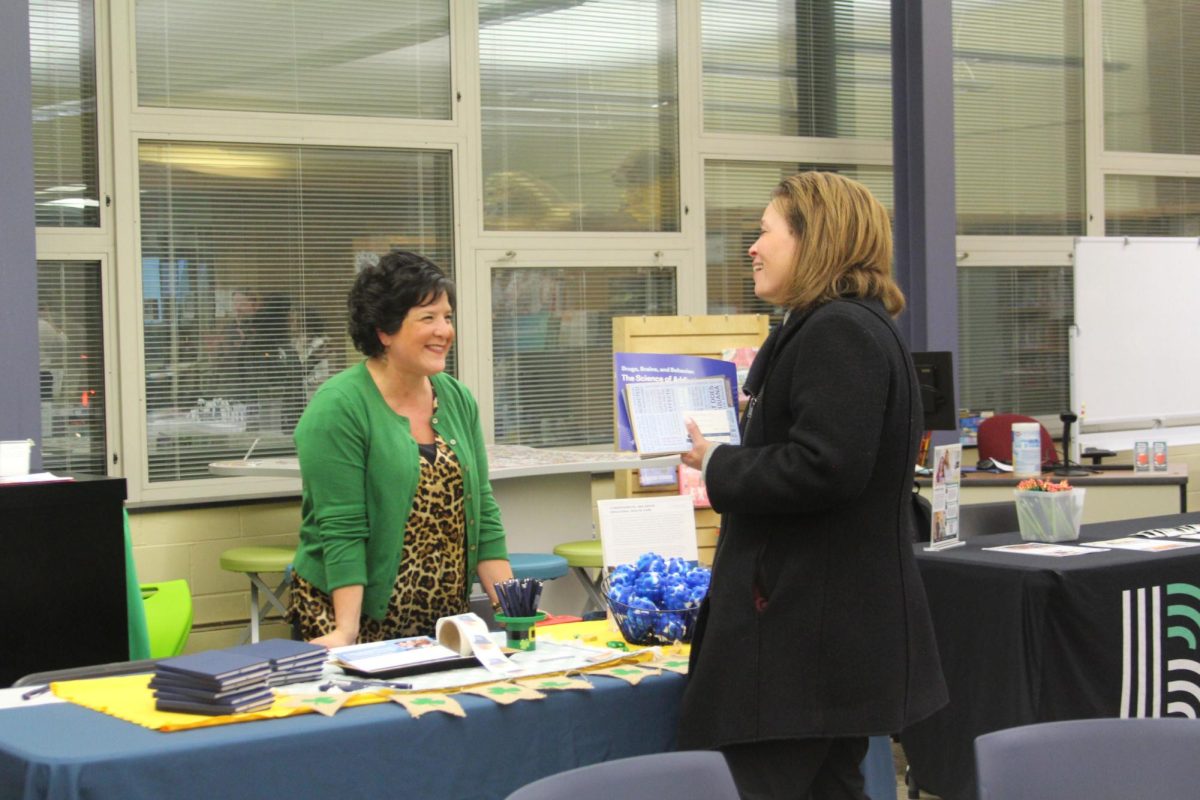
935,375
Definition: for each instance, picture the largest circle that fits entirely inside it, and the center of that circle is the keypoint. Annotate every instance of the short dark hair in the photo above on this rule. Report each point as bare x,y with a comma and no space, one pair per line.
383,295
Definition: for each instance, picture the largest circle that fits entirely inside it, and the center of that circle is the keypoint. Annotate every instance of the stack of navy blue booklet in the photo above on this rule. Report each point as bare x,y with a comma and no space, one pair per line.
291,662
213,682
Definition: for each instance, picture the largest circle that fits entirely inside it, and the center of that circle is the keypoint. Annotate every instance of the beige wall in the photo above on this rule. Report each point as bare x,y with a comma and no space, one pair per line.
187,543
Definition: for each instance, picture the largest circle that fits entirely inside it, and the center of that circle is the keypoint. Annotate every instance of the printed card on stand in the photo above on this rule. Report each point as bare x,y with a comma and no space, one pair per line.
632,526
947,477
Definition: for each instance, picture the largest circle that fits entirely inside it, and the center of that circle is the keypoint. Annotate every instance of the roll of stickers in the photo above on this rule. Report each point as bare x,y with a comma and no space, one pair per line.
467,635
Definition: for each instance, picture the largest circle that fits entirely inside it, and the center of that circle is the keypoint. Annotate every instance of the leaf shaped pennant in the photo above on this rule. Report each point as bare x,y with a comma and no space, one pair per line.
631,675
677,664
327,704
555,684
505,693
420,704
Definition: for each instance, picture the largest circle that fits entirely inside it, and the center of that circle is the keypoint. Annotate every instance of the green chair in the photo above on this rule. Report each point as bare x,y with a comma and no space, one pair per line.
168,608
254,561
582,556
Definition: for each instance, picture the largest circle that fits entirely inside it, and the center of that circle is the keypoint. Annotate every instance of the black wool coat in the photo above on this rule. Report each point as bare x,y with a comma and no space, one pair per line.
816,624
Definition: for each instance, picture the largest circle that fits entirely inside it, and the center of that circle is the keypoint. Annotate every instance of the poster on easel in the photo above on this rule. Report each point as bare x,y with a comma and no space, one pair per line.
947,477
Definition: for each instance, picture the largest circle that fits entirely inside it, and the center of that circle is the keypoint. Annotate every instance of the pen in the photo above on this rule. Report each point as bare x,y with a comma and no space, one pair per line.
32,693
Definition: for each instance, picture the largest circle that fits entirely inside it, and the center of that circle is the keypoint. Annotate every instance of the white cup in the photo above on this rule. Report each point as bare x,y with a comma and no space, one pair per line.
14,457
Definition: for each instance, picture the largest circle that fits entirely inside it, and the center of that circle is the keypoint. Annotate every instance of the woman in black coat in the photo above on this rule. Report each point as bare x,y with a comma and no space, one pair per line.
816,633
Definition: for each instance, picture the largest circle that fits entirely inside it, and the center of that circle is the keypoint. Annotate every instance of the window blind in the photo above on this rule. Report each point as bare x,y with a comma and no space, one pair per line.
735,194
62,52
797,67
376,58
1012,339
580,115
1018,117
552,356
1151,76
248,253
71,366
1148,205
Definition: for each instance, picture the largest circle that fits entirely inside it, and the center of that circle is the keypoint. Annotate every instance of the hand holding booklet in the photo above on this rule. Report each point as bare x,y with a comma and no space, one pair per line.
657,412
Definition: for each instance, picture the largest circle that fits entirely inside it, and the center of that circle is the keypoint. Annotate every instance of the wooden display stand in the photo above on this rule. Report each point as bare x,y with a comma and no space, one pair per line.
693,336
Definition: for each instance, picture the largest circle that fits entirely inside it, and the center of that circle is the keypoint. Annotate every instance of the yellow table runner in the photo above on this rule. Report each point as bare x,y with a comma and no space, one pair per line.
130,698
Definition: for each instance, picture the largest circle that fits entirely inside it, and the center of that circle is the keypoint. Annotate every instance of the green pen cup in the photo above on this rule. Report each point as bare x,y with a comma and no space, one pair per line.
520,631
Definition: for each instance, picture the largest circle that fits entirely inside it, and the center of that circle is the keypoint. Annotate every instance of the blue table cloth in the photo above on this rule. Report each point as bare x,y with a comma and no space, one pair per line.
66,752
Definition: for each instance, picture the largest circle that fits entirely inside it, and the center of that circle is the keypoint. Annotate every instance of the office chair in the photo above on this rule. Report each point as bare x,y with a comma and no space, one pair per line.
994,439
982,519
168,608
690,775
1090,759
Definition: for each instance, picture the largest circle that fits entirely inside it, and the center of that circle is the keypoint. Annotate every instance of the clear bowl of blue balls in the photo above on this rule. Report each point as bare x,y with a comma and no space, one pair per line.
656,600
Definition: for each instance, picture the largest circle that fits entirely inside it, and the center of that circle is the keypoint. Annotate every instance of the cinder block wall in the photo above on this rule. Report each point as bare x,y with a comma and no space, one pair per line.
187,543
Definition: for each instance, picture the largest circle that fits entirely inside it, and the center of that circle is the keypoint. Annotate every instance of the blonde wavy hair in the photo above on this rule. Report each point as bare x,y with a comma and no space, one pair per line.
844,241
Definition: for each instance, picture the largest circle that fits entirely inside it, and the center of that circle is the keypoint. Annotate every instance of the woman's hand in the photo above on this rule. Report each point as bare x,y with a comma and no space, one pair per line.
338,637
694,458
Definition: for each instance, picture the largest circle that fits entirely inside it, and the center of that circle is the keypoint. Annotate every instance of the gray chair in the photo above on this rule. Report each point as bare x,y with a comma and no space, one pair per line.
1091,759
89,671
981,519
690,775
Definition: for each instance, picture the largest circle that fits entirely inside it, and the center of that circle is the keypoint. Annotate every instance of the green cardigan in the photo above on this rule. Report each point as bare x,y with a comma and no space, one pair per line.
360,466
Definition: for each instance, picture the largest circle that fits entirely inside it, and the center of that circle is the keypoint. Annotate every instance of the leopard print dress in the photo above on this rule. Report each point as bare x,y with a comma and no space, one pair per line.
431,581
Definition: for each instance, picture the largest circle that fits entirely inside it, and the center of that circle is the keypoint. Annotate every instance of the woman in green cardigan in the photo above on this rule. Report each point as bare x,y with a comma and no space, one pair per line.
398,513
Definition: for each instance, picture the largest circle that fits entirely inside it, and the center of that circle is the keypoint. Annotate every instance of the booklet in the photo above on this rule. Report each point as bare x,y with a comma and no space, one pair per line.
1185,531
657,412
658,369
397,657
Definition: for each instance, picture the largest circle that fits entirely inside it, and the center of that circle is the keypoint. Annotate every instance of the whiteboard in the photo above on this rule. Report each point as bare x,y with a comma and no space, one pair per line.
1135,344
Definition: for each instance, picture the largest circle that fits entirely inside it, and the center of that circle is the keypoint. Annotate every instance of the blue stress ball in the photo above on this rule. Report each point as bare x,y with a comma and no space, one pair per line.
639,621
649,585
669,627
675,593
698,576
677,566
620,594
651,562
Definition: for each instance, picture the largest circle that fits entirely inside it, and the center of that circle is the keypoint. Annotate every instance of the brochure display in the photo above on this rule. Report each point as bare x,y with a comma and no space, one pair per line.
656,391
947,475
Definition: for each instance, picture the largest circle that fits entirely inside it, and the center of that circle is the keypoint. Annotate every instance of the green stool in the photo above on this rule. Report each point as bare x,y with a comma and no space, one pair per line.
168,616
256,560
582,556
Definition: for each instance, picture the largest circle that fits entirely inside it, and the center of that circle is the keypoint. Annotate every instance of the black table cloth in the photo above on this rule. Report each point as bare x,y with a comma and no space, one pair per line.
1026,639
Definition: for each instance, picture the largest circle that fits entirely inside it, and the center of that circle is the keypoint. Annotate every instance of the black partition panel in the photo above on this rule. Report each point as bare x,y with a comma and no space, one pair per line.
62,576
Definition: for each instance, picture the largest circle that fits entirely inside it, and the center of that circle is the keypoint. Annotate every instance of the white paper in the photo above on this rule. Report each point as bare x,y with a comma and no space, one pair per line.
657,412
36,477
1144,545
633,526
1043,549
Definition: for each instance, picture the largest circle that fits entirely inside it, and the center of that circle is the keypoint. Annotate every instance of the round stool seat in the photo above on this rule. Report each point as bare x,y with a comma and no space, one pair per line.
584,553
543,566
258,559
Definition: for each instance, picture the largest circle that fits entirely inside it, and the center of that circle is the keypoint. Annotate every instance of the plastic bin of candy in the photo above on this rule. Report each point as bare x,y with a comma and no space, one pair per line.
656,601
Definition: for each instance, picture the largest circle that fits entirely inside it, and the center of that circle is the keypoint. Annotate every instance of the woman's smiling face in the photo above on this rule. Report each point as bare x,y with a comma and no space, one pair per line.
772,257
423,341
